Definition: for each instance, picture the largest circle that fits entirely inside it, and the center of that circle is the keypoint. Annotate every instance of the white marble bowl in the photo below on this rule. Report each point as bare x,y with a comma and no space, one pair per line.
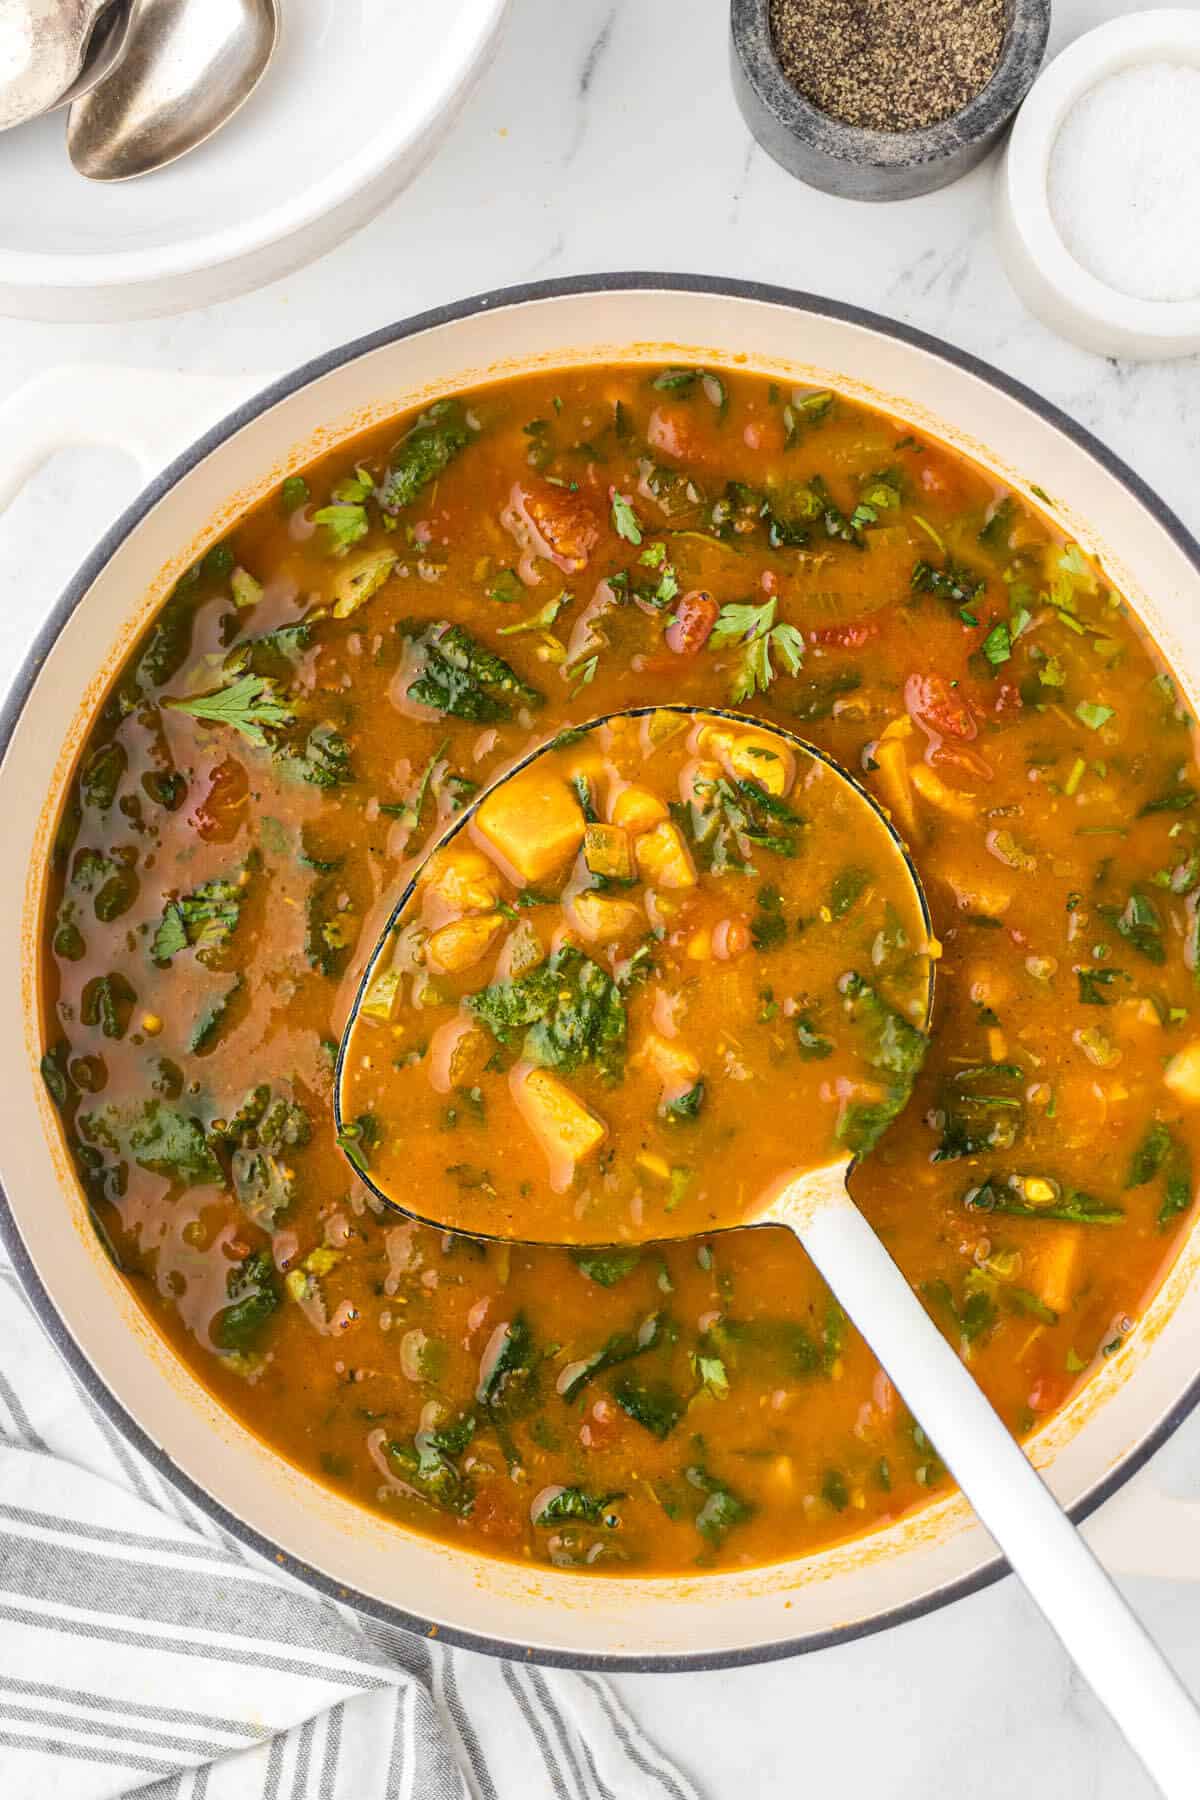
1054,286
357,96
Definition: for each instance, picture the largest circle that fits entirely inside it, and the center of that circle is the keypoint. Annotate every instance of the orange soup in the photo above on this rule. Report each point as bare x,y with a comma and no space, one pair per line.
343,676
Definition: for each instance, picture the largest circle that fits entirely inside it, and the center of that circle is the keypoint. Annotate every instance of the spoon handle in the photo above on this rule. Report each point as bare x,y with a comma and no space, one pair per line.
1105,1639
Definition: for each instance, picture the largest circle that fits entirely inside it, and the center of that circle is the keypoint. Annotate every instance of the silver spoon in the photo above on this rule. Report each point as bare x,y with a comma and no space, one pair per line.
1107,1642
105,50
44,47
188,65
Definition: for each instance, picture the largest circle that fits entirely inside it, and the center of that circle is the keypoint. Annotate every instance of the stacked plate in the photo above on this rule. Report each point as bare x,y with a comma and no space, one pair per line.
354,101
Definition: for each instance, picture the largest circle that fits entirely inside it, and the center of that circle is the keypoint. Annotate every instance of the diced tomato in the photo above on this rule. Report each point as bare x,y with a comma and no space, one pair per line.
958,759
1048,1392
219,815
495,1514
851,636
765,434
940,710
672,432
695,616
1007,702
567,521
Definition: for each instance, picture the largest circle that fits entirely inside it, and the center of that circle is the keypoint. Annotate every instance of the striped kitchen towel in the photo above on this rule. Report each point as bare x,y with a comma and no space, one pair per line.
144,1650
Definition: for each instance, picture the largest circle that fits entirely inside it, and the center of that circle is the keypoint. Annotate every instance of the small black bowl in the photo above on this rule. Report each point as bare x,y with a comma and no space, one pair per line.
853,162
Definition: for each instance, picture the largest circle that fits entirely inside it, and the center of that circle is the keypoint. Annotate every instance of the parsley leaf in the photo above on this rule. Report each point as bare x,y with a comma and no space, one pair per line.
251,706
754,628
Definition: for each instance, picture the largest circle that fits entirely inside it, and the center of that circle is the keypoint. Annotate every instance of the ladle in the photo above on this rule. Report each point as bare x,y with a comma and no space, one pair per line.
1105,1639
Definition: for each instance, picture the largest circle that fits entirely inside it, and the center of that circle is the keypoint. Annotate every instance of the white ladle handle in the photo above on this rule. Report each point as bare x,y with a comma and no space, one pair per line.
1104,1638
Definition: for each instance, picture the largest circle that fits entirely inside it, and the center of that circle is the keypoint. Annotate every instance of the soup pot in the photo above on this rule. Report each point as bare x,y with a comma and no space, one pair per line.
1086,1453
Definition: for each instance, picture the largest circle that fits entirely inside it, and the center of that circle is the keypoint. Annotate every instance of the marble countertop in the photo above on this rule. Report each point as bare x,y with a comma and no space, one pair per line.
628,152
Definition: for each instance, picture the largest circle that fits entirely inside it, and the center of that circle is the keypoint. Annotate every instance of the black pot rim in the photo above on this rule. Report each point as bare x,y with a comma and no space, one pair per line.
13,705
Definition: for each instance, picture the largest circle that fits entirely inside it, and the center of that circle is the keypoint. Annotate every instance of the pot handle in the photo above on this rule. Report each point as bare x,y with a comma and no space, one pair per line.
151,414
1142,1531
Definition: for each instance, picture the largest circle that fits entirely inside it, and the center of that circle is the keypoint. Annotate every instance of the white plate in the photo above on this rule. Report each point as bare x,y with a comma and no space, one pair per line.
353,102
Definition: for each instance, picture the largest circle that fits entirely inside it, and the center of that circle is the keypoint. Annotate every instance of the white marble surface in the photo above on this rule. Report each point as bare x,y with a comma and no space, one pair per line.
605,136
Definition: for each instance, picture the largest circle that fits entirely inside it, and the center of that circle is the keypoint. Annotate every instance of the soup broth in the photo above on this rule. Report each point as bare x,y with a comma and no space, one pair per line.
337,681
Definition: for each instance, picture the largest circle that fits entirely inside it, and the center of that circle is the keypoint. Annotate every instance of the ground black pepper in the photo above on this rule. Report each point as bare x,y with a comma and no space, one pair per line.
890,65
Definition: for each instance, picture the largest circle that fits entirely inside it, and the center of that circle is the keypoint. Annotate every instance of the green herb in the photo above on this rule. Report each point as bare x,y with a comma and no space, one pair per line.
571,1007
834,1491
324,760
1074,1208
805,411
250,706
541,620
427,449
607,1266
849,885
754,630
213,1020
1149,1156
508,1378
429,1466
994,535
1174,800
768,928
462,679
625,520
889,1043
54,1073
575,1503
1140,925
686,1107
1178,1189
293,494
812,1046
1095,983
653,1405
957,585
620,1348
253,1295
358,1138
722,1508
101,776
107,1001
1093,715
203,920
997,645
160,1139
506,588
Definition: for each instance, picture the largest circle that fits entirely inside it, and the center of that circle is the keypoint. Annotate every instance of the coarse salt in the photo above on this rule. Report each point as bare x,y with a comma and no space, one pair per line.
1124,182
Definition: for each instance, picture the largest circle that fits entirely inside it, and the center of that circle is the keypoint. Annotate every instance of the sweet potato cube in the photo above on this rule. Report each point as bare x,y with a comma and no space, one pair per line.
460,944
379,1002
663,859
463,878
607,851
895,784
1183,1074
937,793
358,578
637,809
1054,1271
670,1060
757,759
603,918
536,825
567,1130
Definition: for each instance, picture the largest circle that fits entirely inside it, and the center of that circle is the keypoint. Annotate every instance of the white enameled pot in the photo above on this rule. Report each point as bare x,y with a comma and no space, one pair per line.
1086,1454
